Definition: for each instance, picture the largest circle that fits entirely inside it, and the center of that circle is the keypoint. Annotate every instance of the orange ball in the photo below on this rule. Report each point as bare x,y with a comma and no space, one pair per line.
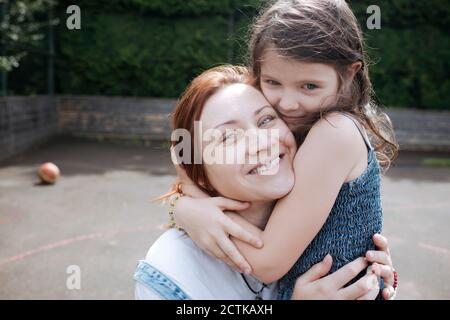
48,172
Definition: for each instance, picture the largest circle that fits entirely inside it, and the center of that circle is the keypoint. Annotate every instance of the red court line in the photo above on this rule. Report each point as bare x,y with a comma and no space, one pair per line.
66,242
435,249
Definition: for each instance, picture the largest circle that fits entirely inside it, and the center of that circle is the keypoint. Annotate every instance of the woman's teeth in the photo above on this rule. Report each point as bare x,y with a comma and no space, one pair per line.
267,167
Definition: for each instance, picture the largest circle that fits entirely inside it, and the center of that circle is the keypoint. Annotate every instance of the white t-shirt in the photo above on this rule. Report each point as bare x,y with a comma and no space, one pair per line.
200,276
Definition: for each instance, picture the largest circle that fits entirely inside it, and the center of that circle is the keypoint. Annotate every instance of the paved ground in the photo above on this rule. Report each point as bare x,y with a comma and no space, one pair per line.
99,217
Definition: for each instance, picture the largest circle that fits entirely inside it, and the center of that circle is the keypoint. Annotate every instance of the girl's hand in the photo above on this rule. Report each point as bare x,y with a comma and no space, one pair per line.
311,285
210,229
315,285
382,264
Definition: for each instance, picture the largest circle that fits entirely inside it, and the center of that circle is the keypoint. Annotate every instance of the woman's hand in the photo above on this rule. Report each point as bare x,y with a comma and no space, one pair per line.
210,229
382,264
311,285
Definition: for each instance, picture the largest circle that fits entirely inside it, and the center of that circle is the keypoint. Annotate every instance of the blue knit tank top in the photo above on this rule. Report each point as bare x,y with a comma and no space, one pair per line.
347,233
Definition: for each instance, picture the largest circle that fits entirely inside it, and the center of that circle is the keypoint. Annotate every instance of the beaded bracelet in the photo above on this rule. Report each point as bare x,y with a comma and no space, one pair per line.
173,200
395,280
394,286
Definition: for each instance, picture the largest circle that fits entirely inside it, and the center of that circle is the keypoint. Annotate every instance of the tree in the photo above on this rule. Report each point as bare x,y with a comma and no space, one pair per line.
23,24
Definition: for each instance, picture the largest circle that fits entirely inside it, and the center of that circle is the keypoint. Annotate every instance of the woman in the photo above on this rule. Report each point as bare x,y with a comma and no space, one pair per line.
175,268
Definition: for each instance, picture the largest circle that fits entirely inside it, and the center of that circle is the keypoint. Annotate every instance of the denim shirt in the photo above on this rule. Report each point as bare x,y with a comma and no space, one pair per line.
175,268
160,284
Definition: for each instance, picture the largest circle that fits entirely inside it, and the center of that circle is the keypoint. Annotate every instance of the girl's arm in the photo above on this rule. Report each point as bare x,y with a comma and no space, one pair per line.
316,284
321,165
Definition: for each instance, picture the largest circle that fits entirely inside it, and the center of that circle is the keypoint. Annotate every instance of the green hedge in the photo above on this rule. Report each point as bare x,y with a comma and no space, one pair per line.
153,51
129,55
410,54
154,47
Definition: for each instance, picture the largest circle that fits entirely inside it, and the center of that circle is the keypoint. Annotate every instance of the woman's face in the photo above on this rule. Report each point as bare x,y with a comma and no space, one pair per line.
295,88
258,148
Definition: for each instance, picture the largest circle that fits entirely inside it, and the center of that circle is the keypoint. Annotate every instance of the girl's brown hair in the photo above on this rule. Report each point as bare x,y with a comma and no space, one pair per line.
190,107
325,31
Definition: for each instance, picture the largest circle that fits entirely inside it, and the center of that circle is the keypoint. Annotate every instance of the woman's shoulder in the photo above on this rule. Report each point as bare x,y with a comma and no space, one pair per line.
171,244
175,255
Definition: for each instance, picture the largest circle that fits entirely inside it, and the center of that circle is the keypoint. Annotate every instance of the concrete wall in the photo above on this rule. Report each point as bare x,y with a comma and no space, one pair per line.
117,118
421,130
27,121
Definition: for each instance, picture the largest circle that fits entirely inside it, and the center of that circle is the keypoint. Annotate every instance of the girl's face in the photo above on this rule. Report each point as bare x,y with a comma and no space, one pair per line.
257,166
295,88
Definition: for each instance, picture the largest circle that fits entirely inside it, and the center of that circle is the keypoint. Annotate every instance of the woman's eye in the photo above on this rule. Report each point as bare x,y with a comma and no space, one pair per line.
225,137
266,120
272,82
229,136
309,86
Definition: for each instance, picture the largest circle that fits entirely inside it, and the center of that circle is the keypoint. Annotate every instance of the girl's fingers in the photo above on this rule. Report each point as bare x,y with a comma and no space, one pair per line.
346,273
230,205
388,292
381,242
380,257
220,255
231,264
238,232
232,253
385,272
317,271
363,288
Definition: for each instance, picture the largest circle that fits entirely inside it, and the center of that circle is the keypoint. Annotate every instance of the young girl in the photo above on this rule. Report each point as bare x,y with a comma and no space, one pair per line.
309,61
